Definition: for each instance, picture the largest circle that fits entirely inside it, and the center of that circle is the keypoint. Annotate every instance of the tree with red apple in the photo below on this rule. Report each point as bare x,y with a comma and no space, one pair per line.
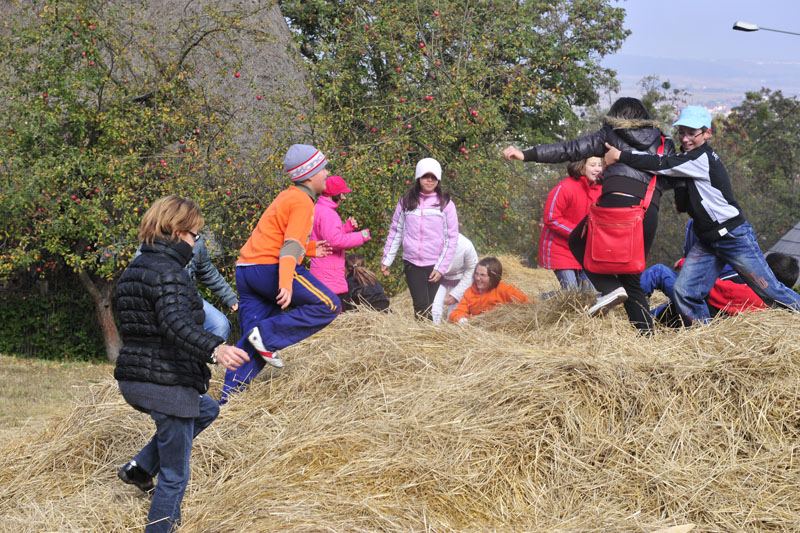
97,125
398,81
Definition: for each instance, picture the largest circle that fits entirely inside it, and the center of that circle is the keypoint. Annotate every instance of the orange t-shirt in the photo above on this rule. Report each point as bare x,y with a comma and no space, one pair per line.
474,302
281,235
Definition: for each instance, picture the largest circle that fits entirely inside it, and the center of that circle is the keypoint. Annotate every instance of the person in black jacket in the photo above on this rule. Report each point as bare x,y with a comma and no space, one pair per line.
627,124
363,287
162,366
201,269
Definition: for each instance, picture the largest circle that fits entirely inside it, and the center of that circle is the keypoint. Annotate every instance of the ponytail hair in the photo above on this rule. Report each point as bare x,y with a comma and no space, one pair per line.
354,265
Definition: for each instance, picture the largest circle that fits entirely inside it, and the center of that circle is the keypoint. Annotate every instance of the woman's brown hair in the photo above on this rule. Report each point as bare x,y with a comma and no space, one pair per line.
167,216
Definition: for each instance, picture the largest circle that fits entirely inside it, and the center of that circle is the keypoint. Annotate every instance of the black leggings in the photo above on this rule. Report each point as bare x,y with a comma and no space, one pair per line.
636,306
422,291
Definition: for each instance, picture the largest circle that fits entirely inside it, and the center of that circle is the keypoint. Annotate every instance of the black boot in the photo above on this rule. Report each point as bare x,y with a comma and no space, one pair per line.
133,474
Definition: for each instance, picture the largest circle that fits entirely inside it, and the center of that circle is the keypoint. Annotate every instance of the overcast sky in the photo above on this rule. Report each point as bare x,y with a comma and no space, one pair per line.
692,44
702,29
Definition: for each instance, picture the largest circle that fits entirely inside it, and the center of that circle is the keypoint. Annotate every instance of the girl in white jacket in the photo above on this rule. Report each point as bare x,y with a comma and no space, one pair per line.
456,280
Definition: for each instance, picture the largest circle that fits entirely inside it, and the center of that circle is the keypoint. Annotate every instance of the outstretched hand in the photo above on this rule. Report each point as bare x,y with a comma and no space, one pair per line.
612,155
231,357
384,270
513,152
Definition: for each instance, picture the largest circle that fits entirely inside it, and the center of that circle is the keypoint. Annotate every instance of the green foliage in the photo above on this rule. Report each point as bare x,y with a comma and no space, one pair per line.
95,133
759,144
56,324
102,115
399,81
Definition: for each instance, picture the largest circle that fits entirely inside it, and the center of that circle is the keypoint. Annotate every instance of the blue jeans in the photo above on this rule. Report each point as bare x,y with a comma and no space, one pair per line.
739,249
573,279
167,455
659,277
216,321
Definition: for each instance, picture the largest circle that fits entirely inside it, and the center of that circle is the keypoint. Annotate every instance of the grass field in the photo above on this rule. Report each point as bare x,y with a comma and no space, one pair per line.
35,391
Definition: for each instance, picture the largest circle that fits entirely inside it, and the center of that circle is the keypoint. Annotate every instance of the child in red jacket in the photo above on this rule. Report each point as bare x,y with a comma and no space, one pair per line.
487,292
567,204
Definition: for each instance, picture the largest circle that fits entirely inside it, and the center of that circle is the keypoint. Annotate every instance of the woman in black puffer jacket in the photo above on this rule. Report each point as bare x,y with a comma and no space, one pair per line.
162,367
627,124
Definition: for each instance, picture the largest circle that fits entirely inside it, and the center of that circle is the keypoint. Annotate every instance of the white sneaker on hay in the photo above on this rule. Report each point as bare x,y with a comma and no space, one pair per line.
607,301
254,338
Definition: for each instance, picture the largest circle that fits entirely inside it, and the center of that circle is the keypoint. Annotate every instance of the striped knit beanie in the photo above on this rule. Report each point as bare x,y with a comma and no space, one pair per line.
303,161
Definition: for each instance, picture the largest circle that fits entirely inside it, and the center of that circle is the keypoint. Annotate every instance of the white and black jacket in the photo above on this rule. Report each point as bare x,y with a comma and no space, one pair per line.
709,196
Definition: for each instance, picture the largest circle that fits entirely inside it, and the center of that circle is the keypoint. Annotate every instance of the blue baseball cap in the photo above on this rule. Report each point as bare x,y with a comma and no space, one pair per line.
695,117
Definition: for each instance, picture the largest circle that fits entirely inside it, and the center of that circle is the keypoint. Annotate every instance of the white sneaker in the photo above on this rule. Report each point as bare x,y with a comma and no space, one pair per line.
607,301
254,338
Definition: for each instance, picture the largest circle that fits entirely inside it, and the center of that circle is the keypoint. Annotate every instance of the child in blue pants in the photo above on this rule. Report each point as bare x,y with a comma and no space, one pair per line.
315,306
723,234
270,278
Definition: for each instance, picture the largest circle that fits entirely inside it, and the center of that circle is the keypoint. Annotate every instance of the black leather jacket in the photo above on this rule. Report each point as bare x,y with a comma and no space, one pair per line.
625,134
161,320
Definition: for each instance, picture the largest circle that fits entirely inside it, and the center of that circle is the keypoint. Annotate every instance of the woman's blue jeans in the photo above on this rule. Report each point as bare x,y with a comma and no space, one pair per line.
574,279
216,321
167,455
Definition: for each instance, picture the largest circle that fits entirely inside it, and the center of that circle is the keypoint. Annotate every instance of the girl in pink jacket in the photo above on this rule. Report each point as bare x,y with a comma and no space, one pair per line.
341,236
426,224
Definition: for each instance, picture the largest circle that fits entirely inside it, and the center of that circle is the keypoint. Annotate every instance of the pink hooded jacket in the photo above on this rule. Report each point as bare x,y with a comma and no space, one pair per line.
429,235
328,226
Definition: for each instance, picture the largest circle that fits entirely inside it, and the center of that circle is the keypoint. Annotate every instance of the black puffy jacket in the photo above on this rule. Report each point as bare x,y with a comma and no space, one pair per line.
625,134
161,320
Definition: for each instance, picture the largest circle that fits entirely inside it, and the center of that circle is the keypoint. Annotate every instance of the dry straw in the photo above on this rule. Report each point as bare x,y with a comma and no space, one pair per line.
530,418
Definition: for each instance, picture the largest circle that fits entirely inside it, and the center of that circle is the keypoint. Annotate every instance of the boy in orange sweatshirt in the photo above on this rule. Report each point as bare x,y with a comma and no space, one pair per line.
270,277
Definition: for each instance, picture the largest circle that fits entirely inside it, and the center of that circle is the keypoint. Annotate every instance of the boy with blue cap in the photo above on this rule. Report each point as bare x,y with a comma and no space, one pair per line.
723,233
270,276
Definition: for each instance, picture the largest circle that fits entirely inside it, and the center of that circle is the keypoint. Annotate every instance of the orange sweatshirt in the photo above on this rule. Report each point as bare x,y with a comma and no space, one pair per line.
474,303
281,235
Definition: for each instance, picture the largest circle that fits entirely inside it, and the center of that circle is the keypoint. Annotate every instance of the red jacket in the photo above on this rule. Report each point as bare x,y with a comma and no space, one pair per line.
733,298
567,204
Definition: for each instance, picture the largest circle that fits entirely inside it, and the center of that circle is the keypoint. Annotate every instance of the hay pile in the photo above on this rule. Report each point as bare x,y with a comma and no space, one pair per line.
531,418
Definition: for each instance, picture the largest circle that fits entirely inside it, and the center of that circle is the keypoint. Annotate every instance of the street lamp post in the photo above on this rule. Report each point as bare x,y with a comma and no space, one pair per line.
748,26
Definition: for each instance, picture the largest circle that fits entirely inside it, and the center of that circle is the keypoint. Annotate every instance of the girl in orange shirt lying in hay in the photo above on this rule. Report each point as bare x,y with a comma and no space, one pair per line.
487,291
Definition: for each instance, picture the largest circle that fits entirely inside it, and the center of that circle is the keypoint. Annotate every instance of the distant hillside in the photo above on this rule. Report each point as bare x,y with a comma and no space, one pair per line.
719,85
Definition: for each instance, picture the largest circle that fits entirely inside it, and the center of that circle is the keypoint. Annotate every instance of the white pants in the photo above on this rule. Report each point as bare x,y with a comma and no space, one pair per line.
437,309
